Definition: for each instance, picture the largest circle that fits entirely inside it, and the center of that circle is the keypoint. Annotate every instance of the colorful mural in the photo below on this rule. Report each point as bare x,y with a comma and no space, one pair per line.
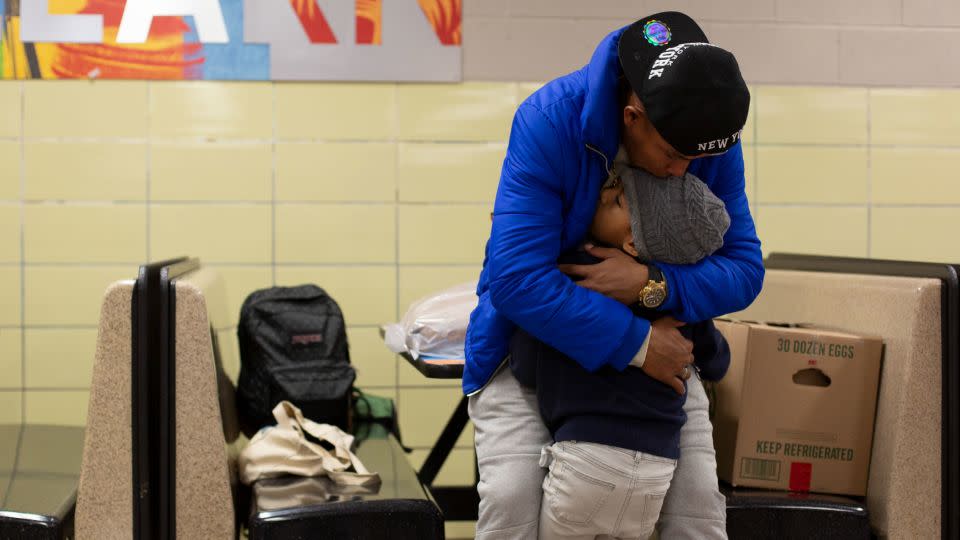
284,39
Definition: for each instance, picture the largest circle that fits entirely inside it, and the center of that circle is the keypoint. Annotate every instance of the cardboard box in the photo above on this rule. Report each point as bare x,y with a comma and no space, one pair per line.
796,409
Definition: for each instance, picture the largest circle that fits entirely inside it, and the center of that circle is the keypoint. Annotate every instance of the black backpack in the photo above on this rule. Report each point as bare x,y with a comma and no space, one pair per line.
293,346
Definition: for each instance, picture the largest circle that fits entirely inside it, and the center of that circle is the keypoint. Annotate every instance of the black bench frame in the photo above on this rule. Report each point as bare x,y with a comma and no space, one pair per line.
153,391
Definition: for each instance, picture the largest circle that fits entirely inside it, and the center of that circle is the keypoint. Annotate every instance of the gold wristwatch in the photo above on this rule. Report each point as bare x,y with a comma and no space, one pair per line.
655,291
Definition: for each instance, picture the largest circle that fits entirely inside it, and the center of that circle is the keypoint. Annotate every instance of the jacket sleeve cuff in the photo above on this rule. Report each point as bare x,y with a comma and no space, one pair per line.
641,356
632,341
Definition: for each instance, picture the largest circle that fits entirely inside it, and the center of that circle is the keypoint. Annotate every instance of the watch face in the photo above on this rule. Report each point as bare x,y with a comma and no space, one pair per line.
654,296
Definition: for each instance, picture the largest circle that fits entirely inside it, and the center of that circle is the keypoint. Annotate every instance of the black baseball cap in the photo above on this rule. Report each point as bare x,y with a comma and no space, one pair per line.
692,90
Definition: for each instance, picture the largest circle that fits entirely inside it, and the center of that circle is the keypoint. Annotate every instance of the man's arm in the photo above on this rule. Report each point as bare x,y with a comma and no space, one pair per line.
525,242
731,278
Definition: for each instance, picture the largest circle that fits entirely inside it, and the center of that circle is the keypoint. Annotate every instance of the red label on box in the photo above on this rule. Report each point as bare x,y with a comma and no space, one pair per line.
800,476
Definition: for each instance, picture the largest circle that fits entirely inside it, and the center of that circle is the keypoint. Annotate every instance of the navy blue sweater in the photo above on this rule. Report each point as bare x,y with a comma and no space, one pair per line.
627,409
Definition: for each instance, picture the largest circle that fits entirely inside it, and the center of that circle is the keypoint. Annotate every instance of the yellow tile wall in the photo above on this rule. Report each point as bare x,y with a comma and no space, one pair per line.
824,230
67,295
466,112
239,281
7,458
457,471
437,172
238,233
211,110
87,171
749,134
917,233
58,407
9,233
376,366
331,172
915,175
366,294
10,294
417,281
911,116
10,110
810,115
10,364
812,174
229,353
425,413
750,173
11,409
84,109
454,233
60,357
335,111
58,233
9,170
325,233
380,193
211,171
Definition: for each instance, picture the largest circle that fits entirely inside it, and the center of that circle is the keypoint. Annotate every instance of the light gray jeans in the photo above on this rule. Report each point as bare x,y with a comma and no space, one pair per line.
595,490
510,436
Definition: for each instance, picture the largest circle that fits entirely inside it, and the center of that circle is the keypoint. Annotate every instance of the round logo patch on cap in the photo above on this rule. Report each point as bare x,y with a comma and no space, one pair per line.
656,32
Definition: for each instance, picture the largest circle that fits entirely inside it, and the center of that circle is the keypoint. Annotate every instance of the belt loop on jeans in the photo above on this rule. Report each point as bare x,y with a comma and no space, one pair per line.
546,456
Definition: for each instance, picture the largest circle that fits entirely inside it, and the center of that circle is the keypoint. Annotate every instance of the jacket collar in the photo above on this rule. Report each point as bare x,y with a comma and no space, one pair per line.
600,117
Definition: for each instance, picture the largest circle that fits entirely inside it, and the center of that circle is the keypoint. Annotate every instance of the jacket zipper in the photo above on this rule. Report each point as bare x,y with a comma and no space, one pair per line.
606,161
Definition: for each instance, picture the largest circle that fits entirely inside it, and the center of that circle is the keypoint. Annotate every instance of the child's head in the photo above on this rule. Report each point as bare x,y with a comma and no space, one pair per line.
672,220
611,221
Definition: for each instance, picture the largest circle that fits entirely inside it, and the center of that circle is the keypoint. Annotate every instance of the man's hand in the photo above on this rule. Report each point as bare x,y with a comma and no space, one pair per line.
618,276
669,354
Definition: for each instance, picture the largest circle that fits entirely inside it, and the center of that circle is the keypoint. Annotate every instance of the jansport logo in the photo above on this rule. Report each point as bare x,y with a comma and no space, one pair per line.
306,339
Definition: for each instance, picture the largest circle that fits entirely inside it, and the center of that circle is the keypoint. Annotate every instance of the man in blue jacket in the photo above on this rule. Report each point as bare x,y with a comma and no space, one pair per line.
673,103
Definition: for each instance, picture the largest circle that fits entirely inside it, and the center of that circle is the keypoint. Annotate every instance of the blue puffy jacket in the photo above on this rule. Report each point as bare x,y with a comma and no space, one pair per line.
563,138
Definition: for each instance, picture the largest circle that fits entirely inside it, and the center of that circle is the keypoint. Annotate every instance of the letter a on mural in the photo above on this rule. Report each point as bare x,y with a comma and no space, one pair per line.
338,40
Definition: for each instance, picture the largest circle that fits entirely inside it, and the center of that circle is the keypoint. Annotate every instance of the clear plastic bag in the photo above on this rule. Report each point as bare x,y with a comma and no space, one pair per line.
434,326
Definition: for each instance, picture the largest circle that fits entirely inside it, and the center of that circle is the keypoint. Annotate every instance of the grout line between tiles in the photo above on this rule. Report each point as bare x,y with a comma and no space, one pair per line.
841,205
396,227
501,144
227,203
148,148
250,264
870,175
756,156
273,185
91,326
23,258
244,142
56,389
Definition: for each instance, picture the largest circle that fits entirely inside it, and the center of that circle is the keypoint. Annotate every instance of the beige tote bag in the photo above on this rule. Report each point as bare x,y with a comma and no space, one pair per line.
285,449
